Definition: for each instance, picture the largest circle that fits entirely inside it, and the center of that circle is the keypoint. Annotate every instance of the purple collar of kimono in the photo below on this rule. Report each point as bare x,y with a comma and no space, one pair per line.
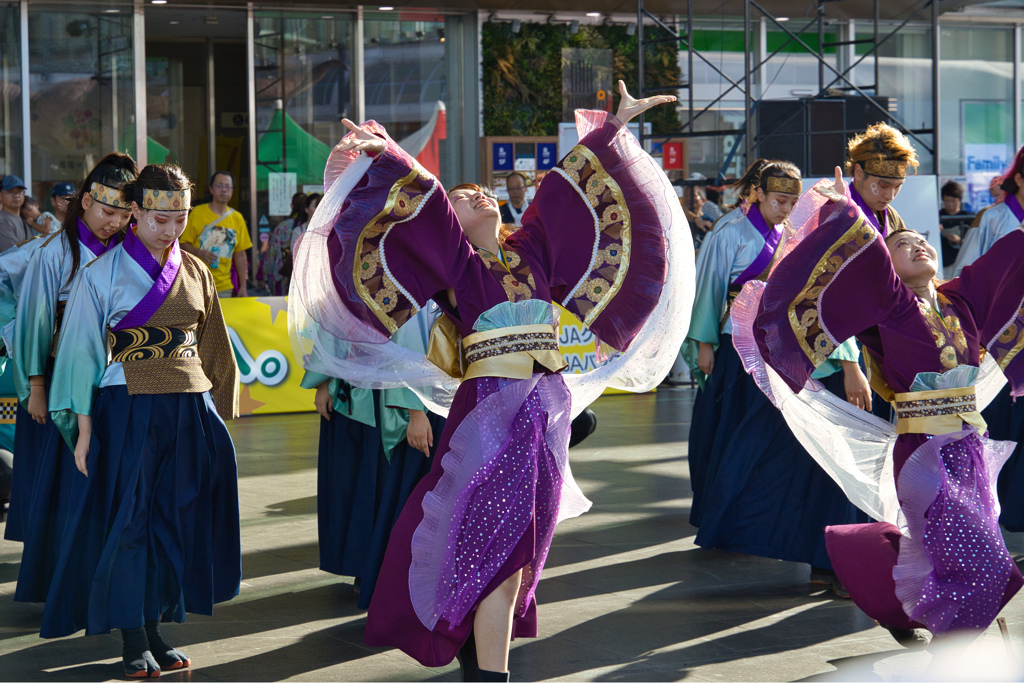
163,278
771,235
1015,207
870,214
92,242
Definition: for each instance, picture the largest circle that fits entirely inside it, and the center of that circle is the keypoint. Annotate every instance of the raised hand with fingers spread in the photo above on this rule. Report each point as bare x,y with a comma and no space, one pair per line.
629,106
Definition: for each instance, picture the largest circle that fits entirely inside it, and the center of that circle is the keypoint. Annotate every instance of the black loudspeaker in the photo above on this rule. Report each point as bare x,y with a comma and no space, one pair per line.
812,133
782,130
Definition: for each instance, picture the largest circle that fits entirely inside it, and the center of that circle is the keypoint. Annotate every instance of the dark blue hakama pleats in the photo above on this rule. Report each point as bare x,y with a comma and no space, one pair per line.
156,532
755,489
360,494
1005,418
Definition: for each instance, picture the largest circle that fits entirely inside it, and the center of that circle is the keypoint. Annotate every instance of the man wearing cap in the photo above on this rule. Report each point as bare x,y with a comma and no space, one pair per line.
61,195
878,159
13,230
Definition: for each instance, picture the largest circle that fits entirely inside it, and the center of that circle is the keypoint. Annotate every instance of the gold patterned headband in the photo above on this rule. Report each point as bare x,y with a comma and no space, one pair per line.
166,200
886,168
104,194
787,185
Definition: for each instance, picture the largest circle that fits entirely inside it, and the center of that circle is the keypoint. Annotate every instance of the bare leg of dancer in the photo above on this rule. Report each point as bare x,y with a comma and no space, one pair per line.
492,626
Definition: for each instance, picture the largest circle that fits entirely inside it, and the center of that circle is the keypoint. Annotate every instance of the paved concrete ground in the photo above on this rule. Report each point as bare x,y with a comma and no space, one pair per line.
625,595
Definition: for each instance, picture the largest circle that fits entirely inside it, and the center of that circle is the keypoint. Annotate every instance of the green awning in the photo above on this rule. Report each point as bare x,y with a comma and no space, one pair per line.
303,154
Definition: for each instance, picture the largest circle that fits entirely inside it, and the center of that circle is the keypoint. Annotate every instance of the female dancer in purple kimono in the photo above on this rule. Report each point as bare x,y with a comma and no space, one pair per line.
948,570
603,238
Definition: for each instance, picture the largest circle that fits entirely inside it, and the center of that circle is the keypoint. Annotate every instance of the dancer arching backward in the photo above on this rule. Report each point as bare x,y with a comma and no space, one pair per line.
140,389
375,446
755,489
1004,416
604,237
951,571
40,273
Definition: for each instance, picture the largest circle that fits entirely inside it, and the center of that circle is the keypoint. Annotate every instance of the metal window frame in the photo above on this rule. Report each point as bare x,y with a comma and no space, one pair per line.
755,57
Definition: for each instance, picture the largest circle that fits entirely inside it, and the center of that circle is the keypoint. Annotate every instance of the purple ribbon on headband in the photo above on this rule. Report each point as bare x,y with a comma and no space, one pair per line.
163,278
1015,207
870,214
771,235
92,242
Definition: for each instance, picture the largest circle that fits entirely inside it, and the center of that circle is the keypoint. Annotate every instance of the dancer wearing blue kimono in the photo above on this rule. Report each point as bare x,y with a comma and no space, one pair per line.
755,489
141,390
37,279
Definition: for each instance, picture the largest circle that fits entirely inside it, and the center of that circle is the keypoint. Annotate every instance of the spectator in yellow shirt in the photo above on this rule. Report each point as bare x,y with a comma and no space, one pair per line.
218,235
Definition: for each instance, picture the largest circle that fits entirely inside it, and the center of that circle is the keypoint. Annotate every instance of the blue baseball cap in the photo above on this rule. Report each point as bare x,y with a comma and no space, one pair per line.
11,182
62,190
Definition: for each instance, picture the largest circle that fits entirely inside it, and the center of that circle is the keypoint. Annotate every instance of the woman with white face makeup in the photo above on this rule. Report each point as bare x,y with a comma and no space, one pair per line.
141,391
36,280
946,567
755,489
604,237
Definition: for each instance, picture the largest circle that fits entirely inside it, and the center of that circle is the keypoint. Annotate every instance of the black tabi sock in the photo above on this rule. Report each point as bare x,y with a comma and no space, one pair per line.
486,675
166,656
136,658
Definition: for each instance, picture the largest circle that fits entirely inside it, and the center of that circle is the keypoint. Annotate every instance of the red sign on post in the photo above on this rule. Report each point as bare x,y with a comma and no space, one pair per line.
672,155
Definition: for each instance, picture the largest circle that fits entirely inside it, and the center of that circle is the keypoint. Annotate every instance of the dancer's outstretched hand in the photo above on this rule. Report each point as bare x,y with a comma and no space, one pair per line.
364,140
839,185
630,106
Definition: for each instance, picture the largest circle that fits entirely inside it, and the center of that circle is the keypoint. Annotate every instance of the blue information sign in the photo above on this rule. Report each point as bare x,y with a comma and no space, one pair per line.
547,155
503,157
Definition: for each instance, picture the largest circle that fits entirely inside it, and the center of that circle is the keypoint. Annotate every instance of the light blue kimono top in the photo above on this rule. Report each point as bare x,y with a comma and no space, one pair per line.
44,282
997,222
13,263
726,253
100,296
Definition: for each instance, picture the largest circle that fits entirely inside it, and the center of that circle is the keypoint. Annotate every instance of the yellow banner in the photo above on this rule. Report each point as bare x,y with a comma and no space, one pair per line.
269,375
578,346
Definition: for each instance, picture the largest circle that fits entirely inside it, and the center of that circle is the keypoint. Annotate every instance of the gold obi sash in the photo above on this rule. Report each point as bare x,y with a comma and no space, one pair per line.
937,412
505,352
151,343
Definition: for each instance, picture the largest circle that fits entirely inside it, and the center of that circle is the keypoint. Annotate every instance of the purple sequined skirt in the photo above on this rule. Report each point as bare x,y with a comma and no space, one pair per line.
487,509
951,571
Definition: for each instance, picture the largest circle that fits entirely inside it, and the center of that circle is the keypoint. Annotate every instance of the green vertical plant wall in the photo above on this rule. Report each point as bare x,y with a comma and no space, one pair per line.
522,74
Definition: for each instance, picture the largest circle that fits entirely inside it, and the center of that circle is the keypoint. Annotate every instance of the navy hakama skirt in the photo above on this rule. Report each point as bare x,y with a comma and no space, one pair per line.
756,490
31,453
360,494
156,532
1005,418
56,493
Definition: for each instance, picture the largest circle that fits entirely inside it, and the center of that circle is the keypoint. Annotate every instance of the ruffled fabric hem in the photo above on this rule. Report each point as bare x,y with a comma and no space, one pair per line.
949,498
507,466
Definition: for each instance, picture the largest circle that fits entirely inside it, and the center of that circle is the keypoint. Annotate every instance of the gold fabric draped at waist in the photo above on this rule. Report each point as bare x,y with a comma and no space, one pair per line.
937,412
505,352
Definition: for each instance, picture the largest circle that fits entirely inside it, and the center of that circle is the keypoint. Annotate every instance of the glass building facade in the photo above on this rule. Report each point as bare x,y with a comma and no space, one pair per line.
261,90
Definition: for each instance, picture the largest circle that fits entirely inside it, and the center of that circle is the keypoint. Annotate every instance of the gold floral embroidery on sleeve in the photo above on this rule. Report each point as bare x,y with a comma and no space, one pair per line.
804,312
1010,341
610,248
376,285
